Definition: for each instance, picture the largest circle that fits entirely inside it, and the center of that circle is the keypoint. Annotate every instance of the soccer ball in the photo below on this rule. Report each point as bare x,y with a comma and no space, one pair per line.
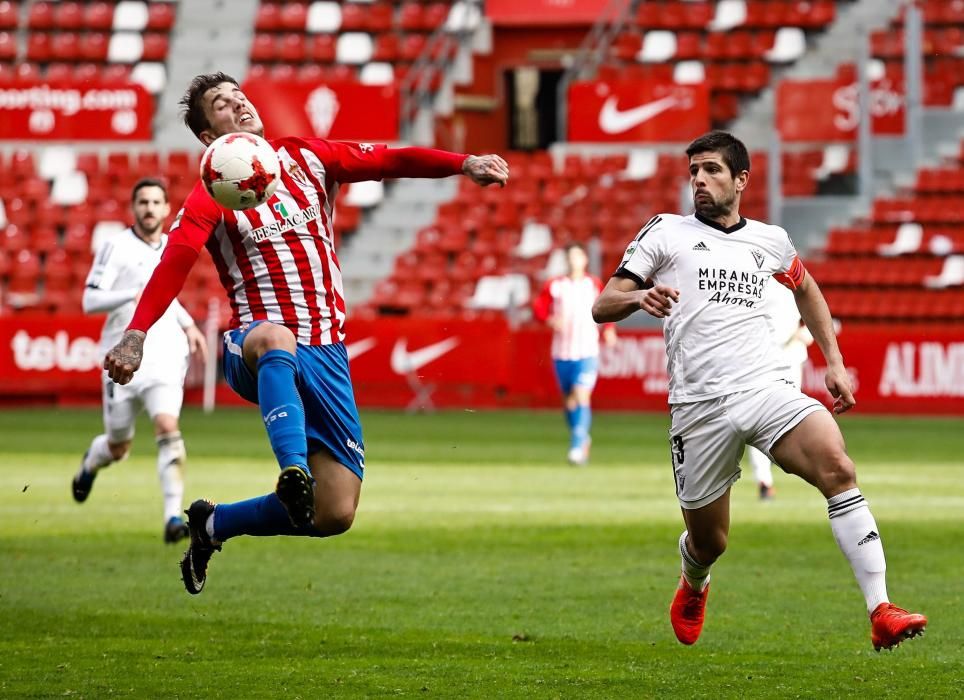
240,170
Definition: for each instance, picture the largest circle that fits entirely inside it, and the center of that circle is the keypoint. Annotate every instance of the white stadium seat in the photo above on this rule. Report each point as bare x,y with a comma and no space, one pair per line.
125,47
69,189
354,48
323,17
835,159
153,76
642,164
500,292
3,215
952,274
365,194
729,14
689,73
377,73
104,231
463,17
790,44
908,240
130,16
536,240
56,160
659,46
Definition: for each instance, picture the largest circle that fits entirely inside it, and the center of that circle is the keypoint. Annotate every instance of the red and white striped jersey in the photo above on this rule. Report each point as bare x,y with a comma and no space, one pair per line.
569,301
277,261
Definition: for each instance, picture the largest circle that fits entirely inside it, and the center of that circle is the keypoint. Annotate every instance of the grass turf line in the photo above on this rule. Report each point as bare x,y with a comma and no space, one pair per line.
479,566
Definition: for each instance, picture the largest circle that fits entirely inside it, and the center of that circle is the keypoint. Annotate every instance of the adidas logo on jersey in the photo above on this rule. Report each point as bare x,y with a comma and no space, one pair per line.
871,536
701,246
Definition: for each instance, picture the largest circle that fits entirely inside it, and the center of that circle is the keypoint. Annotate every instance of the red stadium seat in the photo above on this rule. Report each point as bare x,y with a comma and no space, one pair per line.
321,48
8,46
9,15
93,47
293,17
155,47
385,48
69,15
116,74
65,47
268,18
160,16
435,16
99,16
410,16
283,72
263,48
292,48
23,280
310,73
258,71
352,17
59,73
381,17
86,72
44,239
41,16
411,47
38,47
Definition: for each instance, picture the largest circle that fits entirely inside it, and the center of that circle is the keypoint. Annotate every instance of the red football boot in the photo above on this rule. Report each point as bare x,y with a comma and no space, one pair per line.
686,612
890,625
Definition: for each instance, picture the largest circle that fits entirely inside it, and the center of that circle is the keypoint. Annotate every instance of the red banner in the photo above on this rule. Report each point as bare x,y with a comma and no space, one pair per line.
341,111
485,364
66,112
539,13
637,111
828,110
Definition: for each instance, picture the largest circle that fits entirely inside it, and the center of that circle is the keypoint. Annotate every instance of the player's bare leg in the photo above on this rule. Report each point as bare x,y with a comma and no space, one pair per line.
814,450
337,490
171,461
701,544
577,405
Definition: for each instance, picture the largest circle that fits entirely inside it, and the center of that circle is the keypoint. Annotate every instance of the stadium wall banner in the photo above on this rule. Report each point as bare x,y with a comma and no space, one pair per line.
43,111
539,13
425,363
637,110
828,110
348,111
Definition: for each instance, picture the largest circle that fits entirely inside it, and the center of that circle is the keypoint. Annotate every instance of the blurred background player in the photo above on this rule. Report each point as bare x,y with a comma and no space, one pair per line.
121,268
792,338
285,350
565,304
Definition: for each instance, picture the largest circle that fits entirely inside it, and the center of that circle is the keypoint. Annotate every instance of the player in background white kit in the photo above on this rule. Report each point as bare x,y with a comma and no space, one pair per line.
565,303
792,339
121,268
706,275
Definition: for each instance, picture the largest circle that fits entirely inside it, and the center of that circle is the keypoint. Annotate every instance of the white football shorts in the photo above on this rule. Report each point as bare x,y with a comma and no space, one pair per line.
707,438
122,403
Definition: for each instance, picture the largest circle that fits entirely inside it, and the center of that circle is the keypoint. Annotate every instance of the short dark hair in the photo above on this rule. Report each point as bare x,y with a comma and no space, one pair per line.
732,150
192,111
148,182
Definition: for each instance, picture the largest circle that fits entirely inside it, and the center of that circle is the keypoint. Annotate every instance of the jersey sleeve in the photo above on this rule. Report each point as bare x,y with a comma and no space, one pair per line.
107,266
791,271
357,162
645,254
196,221
542,306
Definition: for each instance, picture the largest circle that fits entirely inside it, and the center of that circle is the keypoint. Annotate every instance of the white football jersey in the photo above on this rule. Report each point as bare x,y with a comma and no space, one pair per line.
719,339
126,262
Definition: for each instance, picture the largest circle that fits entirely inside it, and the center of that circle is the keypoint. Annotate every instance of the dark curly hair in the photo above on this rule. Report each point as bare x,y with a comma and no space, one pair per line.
192,110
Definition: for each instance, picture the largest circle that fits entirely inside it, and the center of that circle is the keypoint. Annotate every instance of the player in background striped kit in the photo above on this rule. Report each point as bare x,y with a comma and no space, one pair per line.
565,304
284,351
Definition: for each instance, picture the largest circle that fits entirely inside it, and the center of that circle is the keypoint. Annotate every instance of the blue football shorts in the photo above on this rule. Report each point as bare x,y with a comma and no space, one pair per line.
324,385
573,373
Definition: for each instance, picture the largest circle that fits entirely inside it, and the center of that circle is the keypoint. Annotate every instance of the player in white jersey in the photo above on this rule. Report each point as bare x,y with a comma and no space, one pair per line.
565,303
706,275
122,266
792,340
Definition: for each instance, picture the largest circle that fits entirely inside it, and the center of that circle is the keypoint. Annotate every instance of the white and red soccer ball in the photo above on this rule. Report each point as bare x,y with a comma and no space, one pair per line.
240,170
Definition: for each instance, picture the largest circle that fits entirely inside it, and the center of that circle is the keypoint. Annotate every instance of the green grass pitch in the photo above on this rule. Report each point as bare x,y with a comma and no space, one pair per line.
479,566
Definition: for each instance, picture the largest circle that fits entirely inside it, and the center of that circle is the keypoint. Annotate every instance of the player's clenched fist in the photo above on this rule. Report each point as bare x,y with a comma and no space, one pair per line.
656,300
125,357
485,170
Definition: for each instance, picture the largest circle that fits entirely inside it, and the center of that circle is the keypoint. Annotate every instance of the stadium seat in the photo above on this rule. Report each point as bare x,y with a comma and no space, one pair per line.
125,47
323,17
658,46
9,15
151,75
93,47
292,48
69,16
951,274
377,73
130,16
354,48
41,16
268,18
160,16
789,46
410,16
322,48
380,17
353,17
729,14
8,47
99,16
155,47
293,17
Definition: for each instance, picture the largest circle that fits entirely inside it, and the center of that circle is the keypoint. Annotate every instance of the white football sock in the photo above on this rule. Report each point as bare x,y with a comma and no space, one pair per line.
171,459
857,535
696,575
762,470
209,526
98,455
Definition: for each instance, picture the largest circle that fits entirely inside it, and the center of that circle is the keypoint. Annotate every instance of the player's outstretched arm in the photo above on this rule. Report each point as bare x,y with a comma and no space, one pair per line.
621,297
816,314
125,358
486,170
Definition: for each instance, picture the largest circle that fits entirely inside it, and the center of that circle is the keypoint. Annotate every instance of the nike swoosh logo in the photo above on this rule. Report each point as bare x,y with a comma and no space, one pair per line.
614,121
403,361
360,347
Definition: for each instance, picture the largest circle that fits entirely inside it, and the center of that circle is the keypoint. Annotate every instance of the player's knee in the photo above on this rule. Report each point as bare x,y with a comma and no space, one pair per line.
119,450
335,520
165,425
267,337
708,548
837,473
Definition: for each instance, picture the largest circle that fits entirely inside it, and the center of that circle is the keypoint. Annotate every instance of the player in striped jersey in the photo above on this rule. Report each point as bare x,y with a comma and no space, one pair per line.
706,275
284,351
565,303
